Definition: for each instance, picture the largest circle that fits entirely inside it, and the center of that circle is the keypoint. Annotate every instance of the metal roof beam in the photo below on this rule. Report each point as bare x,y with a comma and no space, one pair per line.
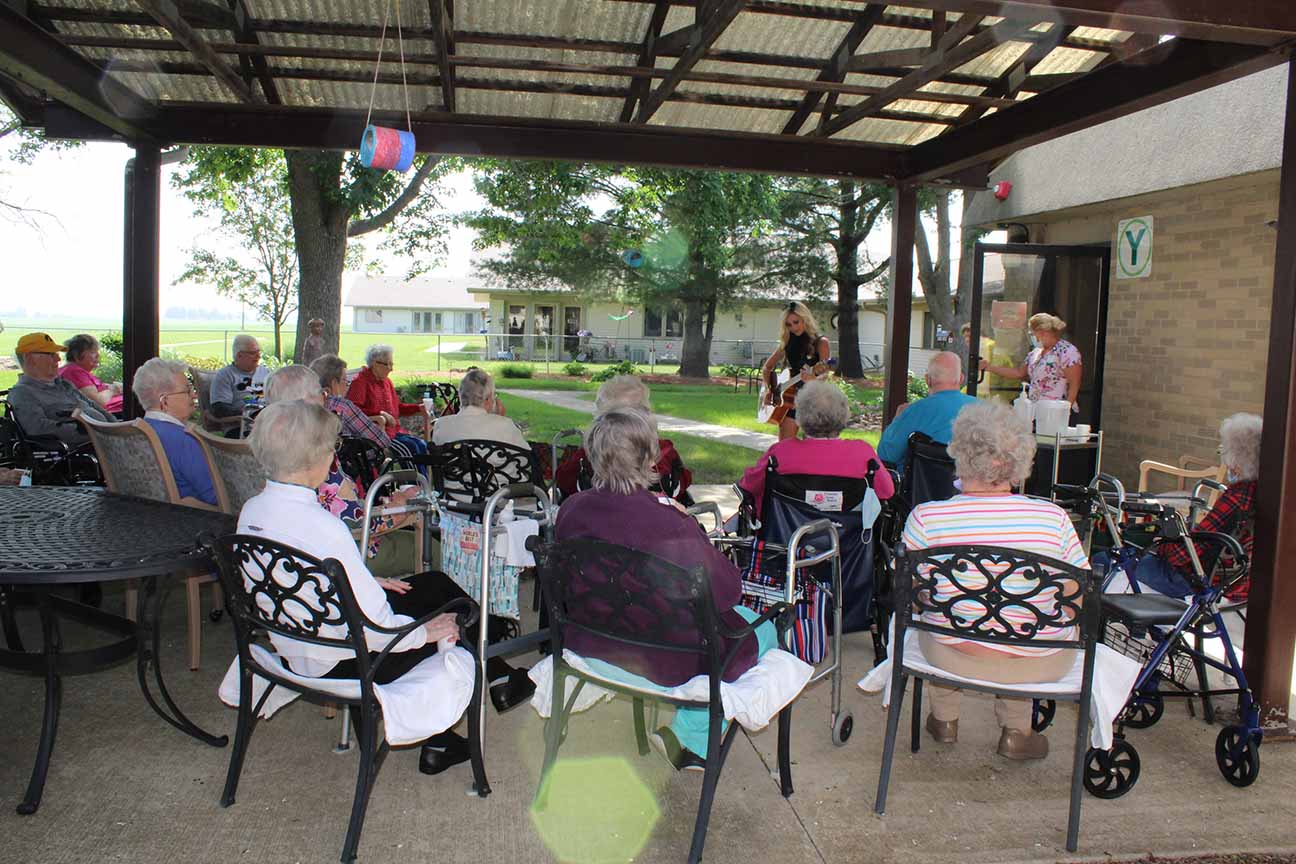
443,30
168,16
1170,70
713,17
837,66
244,32
647,57
1011,81
35,58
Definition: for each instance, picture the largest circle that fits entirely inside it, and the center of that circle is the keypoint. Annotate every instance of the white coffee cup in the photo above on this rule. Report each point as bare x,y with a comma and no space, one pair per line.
1082,428
429,405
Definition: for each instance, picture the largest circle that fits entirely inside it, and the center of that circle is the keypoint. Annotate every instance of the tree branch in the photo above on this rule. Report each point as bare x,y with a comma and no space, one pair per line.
411,191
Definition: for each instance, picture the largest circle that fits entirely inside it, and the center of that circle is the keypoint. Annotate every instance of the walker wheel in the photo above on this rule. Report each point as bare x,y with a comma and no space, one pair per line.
1237,753
1111,773
1144,710
843,726
1042,714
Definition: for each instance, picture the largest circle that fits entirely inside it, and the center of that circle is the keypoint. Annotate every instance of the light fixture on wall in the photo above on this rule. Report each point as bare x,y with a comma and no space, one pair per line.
1273,223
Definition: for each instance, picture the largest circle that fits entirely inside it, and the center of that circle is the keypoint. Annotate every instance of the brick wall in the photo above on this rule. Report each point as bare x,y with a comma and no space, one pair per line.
1186,347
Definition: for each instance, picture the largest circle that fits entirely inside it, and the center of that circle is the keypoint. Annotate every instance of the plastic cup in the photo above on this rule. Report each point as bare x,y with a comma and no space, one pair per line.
1082,428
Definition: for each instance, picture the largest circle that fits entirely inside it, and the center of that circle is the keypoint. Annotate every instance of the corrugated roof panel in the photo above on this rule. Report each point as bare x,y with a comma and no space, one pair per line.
573,19
555,106
333,12
509,52
1062,60
892,132
132,56
112,31
344,94
891,39
118,5
175,88
716,117
713,66
996,61
803,37
1101,34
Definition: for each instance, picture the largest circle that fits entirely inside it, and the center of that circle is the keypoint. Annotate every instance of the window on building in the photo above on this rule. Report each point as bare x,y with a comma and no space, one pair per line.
436,322
663,322
373,316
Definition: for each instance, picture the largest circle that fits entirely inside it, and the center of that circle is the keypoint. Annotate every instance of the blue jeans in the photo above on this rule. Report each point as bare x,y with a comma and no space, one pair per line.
414,443
1152,571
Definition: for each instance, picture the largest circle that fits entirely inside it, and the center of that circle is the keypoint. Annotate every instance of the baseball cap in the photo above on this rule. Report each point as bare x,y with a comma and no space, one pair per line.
37,343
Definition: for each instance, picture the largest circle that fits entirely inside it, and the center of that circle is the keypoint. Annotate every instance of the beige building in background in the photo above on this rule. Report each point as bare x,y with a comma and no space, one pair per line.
1187,344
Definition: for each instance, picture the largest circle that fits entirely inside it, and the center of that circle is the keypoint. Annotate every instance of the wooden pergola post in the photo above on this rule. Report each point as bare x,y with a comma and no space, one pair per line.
1271,626
904,222
140,231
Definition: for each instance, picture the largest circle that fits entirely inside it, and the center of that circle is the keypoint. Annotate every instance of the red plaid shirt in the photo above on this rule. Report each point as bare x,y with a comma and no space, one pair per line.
1237,500
355,423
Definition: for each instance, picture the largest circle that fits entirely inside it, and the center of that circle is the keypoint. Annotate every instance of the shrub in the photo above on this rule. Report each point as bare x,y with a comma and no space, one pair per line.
625,367
209,364
575,369
733,370
516,370
852,396
917,386
112,341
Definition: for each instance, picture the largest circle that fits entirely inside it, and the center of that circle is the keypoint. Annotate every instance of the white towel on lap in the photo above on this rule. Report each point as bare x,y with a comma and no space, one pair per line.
753,700
1113,679
428,699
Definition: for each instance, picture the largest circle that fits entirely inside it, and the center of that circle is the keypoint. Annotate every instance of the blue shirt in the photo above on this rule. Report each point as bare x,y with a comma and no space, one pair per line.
933,415
188,463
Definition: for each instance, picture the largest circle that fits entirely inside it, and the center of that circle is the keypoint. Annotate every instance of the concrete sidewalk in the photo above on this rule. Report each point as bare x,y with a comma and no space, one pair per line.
676,425
125,787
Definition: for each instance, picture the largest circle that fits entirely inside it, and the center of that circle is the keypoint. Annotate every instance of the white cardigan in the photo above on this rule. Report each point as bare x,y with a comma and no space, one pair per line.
292,515
474,423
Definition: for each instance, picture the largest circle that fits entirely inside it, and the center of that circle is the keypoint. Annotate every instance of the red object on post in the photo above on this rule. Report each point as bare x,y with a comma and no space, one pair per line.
1002,190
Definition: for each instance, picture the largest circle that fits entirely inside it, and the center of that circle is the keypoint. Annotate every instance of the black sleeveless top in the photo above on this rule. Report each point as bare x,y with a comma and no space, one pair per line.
801,353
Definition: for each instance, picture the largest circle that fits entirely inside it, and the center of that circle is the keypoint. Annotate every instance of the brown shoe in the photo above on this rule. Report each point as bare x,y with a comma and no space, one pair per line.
944,731
1015,744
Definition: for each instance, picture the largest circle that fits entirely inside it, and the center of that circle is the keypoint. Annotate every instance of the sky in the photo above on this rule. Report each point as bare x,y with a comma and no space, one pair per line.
70,263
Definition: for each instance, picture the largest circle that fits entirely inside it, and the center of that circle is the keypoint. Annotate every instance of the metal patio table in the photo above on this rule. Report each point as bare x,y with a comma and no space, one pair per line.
58,536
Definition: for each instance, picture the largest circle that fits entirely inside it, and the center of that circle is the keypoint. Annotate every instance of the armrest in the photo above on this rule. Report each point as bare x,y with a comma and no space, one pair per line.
1227,541
774,611
466,619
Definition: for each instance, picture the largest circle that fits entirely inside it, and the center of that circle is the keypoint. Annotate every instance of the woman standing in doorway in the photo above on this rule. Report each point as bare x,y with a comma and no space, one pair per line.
1053,368
802,349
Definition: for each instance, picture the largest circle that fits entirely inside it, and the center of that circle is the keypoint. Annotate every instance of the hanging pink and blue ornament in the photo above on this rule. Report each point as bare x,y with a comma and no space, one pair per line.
389,149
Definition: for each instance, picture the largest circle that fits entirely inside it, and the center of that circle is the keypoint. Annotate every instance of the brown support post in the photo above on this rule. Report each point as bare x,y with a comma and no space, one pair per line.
140,265
1271,628
904,221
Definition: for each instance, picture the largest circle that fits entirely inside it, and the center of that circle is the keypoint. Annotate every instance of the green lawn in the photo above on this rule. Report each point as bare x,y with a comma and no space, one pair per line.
710,461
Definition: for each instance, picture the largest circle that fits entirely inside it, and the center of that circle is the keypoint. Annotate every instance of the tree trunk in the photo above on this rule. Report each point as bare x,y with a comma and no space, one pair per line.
849,363
695,355
319,229
278,349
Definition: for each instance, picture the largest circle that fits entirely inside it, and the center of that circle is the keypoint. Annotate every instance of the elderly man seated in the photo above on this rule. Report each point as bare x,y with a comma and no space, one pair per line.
41,401
624,391
932,415
163,388
230,385
480,416
822,412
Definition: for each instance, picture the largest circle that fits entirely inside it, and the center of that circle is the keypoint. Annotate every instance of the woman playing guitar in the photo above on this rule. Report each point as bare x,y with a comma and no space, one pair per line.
806,354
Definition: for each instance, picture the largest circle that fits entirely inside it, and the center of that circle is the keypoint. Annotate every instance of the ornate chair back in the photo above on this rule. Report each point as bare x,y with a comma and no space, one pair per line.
469,472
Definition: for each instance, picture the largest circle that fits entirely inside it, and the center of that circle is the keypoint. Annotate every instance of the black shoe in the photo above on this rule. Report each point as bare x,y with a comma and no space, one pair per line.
443,751
665,743
512,691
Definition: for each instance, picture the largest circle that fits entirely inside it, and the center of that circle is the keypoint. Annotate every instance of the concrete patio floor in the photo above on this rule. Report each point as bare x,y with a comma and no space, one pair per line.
125,787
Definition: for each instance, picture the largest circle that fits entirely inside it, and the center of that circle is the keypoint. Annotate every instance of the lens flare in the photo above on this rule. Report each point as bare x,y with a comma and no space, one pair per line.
594,811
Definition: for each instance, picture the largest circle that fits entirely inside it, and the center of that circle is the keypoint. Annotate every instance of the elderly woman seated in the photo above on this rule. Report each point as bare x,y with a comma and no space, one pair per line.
622,445
1168,569
822,412
480,416
373,393
163,388
992,452
331,370
625,391
82,352
391,551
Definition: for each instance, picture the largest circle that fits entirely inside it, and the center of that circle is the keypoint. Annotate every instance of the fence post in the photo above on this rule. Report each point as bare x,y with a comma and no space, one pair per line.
225,346
438,352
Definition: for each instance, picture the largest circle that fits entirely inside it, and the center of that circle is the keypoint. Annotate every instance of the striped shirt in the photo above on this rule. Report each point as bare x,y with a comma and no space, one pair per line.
1014,521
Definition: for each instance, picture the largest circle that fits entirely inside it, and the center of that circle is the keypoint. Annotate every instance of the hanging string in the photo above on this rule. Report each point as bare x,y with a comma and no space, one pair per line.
382,40
400,45
380,146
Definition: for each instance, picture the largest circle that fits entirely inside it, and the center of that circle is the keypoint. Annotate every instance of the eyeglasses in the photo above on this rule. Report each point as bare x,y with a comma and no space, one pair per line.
256,353
190,392
382,363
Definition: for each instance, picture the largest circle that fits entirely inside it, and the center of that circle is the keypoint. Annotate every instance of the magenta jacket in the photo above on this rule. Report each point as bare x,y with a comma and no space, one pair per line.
831,457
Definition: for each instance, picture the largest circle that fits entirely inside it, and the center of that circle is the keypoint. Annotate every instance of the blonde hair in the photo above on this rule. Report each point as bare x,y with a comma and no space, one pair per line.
1045,321
807,317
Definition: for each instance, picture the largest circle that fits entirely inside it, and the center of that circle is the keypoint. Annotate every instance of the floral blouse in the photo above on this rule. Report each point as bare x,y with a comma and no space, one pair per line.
1046,367
339,495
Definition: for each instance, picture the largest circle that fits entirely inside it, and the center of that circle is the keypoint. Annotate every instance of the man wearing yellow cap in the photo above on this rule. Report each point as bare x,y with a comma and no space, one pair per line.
41,401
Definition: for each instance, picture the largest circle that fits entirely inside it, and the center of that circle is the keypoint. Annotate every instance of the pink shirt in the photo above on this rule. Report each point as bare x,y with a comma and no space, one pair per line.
832,457
81,378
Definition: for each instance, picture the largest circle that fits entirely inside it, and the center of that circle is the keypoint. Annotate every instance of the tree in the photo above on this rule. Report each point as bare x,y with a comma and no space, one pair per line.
252,209
947,303
838,215
332,198
707,239
29,142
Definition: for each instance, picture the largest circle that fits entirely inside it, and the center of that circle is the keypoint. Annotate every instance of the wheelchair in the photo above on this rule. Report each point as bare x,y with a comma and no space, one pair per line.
1166,634
783,556
559,453
52,462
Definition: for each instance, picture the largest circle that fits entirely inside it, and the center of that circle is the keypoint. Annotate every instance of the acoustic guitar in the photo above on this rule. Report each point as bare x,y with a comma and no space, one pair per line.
773,410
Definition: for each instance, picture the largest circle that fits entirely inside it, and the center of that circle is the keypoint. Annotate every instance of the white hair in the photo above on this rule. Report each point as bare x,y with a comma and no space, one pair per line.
290,437
622,391
155,378
292,382
476,388
991,445
944,370
623,450
1240,444
244,342
378,352
822,410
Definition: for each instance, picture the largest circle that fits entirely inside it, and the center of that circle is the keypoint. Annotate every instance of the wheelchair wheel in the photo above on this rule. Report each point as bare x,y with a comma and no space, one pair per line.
1111,773
1237,753
842,727
1144,710
1042,714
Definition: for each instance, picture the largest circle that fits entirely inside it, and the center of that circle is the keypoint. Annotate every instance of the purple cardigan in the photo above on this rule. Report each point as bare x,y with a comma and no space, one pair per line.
639,521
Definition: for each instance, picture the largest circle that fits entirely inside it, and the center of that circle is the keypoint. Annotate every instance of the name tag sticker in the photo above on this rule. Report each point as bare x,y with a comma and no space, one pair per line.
829,502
